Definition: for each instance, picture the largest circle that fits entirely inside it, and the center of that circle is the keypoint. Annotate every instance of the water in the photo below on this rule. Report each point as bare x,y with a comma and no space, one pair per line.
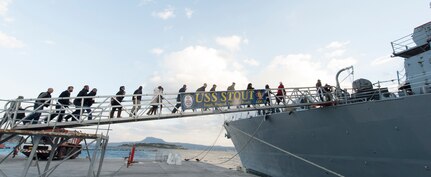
217,158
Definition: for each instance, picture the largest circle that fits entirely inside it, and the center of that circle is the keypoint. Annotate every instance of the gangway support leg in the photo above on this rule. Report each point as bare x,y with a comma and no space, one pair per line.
93,159
55,144
102,155
36,140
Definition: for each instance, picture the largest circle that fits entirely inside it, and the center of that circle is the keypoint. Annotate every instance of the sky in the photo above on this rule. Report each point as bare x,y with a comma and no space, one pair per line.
107,44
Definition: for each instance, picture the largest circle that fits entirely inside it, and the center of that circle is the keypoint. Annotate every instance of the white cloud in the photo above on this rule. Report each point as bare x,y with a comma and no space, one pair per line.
381,60
189,12
338,63
157,51
165,14
196,65
7,41
4,7
231,42
294,71
337,45
49,42
251,62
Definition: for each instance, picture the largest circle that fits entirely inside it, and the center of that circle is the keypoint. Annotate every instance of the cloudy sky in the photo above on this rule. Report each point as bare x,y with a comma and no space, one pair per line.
105,44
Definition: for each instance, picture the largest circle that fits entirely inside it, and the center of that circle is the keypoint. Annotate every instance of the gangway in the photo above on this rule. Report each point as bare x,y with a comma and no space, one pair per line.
293,99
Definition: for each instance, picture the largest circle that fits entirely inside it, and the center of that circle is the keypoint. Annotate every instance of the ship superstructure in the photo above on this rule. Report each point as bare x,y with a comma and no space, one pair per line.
371,132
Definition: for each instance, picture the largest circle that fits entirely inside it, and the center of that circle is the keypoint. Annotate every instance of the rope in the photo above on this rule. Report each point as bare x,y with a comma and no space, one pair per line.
287,152
209,148
245,145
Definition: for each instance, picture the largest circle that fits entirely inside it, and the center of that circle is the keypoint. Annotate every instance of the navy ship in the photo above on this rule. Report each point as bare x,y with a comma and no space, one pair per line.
372,132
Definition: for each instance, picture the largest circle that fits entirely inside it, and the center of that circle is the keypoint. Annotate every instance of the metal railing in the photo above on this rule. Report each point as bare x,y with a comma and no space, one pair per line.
18,114
408,42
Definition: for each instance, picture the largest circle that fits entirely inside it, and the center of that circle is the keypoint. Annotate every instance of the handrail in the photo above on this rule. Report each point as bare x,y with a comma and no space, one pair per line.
295,97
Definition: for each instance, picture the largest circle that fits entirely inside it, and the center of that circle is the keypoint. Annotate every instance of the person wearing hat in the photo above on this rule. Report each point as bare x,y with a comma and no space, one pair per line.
116,102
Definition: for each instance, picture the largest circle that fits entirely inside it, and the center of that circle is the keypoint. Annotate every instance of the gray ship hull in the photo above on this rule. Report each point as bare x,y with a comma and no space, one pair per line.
374,139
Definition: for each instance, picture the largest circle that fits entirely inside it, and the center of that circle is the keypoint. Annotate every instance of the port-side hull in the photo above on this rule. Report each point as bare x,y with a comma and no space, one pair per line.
376,138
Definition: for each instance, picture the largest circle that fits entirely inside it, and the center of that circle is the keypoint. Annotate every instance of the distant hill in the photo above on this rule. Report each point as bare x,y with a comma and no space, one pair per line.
153,140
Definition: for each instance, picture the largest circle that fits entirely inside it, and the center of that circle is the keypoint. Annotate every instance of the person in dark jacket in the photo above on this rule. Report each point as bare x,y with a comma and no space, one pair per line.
202,89
250,88
63,102
136,99
231,89
116,102
213,89
41,102
182,90
78,102
88,102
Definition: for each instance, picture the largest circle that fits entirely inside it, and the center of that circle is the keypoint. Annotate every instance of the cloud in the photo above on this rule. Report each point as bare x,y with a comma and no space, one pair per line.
49,42
251,62
335,49
294,70
381,60
165,14
231,42
157,51
338,63
7,41
196,65
189,12
337,45
4,7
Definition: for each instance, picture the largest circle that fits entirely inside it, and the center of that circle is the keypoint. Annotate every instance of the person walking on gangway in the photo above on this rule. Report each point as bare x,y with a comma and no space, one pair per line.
88,102
230,89
181,91
136,99
250,88
319,89
78,102
201,90
63,103
281,93
156,101
116,102
38,106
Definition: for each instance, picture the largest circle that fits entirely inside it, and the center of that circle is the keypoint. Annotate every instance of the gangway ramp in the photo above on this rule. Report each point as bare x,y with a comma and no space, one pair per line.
100,111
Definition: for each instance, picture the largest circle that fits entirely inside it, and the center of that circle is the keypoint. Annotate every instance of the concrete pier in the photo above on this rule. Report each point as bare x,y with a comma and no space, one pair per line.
117,167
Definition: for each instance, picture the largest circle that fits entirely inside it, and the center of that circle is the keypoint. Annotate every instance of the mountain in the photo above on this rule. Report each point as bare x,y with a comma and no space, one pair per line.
153,140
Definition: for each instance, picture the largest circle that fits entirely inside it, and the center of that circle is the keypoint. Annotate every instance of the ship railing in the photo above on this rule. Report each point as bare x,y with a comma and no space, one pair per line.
24,112
408,42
